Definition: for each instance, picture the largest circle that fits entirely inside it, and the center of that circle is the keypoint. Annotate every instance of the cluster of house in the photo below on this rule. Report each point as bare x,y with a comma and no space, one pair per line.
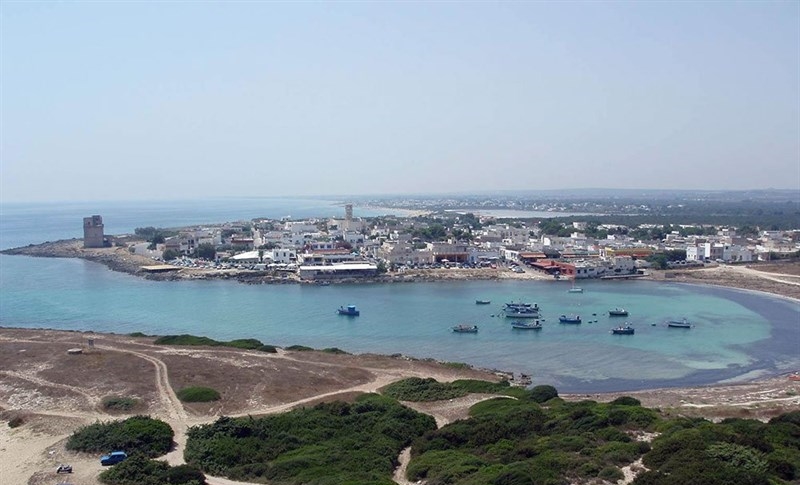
329,248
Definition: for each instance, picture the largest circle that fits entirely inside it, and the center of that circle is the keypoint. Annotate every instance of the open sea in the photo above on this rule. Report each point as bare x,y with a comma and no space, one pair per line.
737,335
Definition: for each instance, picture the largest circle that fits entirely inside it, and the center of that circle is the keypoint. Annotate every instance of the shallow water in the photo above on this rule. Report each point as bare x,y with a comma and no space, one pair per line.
736,333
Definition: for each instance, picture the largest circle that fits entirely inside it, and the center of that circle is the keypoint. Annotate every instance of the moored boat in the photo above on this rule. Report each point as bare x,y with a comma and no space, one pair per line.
465,328
527,325
569,319
521,313
679,323
576,289
350,311
623,330
482,302
521,310
618,312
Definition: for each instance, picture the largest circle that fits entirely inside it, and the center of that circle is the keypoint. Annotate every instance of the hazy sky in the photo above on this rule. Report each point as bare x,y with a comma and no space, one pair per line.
134,100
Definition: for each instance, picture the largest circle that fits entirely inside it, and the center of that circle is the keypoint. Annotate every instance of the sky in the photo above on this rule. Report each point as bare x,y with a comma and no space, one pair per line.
175,100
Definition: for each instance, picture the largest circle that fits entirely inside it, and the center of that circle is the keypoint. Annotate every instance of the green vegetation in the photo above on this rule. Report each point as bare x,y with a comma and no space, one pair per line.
198,394
138,434
517,441
299,348
120,403
531,438
330,444
660,260
139,470
186,339
741,451
206,251
170,254
329,350
544,393
335,350
418,389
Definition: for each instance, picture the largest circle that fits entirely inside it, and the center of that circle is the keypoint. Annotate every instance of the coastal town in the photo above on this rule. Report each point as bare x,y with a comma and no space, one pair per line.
425,245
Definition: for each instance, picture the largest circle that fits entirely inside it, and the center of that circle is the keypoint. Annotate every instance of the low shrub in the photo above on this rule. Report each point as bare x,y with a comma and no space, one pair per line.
186,339
16,422
138,470
611,474
335,350
120,403
418,389
198,394
299,348
543,393
138,434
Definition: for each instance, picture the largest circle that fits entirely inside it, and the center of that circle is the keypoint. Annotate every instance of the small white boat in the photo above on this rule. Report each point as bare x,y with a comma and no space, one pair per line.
464,328
679,323
527,325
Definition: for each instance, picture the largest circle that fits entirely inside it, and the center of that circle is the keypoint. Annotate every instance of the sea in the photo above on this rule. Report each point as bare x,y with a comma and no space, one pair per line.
736,335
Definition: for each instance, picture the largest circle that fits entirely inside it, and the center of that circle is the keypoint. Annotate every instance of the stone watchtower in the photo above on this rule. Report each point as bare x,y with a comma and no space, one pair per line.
93,236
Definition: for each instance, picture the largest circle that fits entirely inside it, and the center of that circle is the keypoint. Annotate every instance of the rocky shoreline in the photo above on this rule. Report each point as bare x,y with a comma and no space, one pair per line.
782,279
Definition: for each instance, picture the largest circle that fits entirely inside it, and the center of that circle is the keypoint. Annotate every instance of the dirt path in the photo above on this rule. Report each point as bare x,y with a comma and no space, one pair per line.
175,414
786,279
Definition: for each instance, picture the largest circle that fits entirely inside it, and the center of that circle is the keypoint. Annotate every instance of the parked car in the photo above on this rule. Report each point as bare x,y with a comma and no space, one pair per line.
113,458
64,468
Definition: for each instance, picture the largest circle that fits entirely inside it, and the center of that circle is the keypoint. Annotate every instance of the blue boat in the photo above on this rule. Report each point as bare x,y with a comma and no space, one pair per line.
569,319
350,311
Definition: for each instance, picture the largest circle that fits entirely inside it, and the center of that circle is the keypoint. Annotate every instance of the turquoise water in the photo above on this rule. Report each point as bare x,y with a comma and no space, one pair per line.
736,333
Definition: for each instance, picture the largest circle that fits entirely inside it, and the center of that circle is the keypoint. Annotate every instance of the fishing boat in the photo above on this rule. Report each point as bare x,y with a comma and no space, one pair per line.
618,312
679,323
521,310
519,305
623,330
521,313
527,325
482,302
350,311
569,319
464,328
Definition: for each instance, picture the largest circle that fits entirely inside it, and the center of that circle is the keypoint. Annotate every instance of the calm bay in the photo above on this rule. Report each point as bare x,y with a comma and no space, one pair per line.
735,333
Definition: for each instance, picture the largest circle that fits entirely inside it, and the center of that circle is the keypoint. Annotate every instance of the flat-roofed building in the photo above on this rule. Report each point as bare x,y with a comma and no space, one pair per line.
338,270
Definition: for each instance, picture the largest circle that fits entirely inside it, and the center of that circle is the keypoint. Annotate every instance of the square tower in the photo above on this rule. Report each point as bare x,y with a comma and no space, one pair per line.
93,236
